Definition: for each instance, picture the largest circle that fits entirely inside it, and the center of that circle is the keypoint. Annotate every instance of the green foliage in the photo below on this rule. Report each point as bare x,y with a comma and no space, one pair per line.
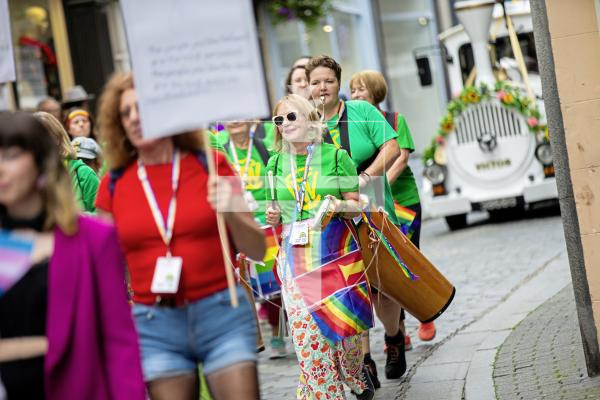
308,11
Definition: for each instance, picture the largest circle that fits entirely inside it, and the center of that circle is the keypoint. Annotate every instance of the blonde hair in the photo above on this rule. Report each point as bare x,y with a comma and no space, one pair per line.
304,107
374,82
58,132
54,181
118,150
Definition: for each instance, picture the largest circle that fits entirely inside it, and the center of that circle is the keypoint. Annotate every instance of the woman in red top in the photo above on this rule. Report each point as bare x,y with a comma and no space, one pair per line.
162,201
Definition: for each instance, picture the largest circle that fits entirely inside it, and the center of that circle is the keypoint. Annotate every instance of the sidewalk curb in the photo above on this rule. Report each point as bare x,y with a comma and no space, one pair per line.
474,345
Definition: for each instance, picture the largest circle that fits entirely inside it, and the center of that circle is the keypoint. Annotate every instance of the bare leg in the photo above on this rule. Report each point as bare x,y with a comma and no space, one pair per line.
365,343
388,312
239,381
402,327
181,387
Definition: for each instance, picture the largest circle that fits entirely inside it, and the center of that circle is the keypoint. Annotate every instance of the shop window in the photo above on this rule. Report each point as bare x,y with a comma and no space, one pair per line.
340,34
35,56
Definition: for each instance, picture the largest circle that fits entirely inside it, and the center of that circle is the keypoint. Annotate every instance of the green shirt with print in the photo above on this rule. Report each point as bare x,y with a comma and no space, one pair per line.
368,131
256,176
221,137
330,172
404,188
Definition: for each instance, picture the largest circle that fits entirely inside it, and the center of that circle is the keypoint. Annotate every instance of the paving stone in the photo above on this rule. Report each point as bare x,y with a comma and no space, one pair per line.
485,262
552,331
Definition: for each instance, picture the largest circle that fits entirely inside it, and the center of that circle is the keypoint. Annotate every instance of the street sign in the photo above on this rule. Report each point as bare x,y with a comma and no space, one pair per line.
194,62
7,60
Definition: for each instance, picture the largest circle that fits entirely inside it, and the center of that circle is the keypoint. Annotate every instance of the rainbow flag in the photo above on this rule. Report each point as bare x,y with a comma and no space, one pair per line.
346,313
262,275
15,259
330,274
333,242
406,218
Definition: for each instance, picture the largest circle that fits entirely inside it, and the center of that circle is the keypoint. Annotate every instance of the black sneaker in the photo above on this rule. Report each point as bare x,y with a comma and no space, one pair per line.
372,371
395,364
369,391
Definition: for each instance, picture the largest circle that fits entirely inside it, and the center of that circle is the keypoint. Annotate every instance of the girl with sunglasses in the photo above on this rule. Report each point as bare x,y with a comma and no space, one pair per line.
319,264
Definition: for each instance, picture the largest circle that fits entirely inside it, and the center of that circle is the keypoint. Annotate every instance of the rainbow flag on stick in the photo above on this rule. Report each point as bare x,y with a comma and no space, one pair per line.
262,275
330,274
15,259
406,218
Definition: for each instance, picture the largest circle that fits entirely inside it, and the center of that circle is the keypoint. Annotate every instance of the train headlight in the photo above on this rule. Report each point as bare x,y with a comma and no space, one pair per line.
544,154
435,173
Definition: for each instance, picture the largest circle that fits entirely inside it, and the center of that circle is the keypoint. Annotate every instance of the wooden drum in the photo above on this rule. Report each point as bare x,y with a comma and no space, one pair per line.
425,298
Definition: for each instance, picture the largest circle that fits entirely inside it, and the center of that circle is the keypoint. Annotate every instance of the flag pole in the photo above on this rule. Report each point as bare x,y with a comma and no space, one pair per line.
221,226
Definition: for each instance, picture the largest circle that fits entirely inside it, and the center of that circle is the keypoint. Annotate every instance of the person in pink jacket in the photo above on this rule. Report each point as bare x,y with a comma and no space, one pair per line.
66,330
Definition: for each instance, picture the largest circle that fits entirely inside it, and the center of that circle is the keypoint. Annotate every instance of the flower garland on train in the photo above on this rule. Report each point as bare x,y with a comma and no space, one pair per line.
509,96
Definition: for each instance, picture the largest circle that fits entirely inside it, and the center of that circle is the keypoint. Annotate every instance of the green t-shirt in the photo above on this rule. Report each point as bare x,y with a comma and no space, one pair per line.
269,139
368,131
331,172
222,137
256,177
404,189
85,185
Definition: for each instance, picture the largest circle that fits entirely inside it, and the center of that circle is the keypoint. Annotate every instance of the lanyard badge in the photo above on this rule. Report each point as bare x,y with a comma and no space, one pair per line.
299,232
167,271
250,201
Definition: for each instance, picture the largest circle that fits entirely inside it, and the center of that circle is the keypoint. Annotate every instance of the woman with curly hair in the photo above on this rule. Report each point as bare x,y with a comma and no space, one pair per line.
159,194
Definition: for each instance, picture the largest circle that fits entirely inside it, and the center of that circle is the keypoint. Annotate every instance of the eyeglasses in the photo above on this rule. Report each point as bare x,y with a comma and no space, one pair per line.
278,120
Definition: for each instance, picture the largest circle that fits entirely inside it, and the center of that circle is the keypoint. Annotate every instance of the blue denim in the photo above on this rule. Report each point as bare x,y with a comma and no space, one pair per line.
209,331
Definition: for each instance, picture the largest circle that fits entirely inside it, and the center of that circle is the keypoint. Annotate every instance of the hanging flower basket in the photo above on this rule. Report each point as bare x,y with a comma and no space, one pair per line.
508,96
310,12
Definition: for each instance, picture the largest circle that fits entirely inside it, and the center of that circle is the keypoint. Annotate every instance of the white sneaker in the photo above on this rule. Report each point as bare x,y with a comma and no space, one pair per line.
277,348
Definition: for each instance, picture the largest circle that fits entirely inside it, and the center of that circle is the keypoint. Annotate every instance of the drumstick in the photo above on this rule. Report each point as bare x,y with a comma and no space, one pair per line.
271,185
222,228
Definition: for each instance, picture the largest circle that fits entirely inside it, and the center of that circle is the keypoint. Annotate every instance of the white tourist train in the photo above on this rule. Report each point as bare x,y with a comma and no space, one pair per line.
492,151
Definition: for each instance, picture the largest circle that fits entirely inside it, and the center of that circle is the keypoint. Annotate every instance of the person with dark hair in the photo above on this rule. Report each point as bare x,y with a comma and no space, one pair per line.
51,106
66,330
163,202
359,128
301,61
79,123
296,78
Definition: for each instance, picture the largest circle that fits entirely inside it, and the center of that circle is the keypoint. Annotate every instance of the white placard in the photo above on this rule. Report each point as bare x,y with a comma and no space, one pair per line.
194,62
7,60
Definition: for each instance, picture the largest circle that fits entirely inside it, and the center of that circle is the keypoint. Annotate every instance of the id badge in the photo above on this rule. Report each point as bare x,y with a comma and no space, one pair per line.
252,203
299,234
166,275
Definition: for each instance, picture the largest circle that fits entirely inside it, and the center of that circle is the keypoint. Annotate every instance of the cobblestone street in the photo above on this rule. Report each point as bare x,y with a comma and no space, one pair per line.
486,262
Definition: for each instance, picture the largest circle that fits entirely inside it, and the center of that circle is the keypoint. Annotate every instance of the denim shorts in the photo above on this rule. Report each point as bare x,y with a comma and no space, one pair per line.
174,341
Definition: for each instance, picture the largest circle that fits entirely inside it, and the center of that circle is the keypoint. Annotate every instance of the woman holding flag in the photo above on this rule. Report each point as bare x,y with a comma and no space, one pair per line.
163,200
325,291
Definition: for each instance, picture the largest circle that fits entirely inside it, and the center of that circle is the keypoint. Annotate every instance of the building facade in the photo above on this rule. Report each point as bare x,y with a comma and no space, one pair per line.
61,43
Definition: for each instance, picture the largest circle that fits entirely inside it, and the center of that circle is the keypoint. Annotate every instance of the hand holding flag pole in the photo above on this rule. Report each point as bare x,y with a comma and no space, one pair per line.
222,227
